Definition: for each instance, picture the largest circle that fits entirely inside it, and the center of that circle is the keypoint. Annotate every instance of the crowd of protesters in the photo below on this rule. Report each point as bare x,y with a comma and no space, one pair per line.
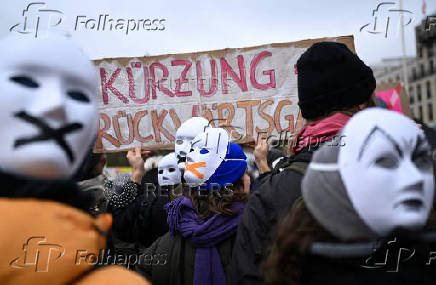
359,211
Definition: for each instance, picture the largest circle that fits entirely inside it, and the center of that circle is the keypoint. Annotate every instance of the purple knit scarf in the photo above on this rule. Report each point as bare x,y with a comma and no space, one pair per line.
204,235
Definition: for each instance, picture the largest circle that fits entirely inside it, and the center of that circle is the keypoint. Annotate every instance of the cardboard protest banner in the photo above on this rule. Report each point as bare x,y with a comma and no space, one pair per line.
392,96
248,91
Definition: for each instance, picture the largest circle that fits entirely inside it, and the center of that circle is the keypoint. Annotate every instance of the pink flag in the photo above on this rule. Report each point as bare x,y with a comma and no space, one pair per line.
392,98
424,7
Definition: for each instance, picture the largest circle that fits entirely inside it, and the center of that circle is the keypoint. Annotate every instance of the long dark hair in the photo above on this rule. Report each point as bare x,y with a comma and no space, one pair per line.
217,201
296,232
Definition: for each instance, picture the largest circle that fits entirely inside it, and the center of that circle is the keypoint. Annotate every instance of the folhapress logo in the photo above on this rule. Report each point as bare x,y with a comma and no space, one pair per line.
37,18
382,19
106,23
39,254
430,23
392,258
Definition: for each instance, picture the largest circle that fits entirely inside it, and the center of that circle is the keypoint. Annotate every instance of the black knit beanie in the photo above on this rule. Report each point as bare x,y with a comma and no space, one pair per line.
331,77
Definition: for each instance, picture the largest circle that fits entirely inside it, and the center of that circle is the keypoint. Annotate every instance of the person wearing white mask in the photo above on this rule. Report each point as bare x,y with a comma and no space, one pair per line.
48,107
131,206
137,205
214,161
139,214
362,200
184,136
168,171
333,85
49,117
204,221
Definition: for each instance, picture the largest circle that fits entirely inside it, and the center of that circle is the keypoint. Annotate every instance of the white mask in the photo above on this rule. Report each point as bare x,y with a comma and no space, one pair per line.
168,171
48,88
185,134
208,151
387,170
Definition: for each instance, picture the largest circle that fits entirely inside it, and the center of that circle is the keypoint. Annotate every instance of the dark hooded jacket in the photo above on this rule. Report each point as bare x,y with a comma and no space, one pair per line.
272,199
274,196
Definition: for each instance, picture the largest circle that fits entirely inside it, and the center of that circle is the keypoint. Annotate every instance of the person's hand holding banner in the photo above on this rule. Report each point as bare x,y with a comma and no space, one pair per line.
260,155
137,163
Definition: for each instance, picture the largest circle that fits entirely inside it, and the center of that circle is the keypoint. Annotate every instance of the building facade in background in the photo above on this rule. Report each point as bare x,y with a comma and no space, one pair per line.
421,74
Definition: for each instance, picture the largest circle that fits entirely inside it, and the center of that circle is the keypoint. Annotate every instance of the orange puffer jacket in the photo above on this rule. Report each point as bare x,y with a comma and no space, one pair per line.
44,242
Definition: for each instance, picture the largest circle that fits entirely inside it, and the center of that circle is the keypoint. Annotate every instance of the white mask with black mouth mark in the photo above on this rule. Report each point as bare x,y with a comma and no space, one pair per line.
168,171
48,106
184,136
208,150
387,169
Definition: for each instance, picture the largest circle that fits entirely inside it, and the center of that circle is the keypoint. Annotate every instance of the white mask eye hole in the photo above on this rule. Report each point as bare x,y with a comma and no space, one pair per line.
78,96
179,142
25,81
160,171
422,155
171,169
389,161
422,160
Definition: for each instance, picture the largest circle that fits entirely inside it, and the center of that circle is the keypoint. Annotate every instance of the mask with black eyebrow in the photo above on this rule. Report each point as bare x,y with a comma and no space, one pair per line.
387,169
208,150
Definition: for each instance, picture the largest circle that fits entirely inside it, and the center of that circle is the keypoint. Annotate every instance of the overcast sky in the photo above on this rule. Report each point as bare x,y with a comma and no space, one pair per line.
207,25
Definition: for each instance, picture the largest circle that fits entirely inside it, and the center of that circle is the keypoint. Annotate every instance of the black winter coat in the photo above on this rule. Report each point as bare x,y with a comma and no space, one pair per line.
165,263
143,220
270,201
